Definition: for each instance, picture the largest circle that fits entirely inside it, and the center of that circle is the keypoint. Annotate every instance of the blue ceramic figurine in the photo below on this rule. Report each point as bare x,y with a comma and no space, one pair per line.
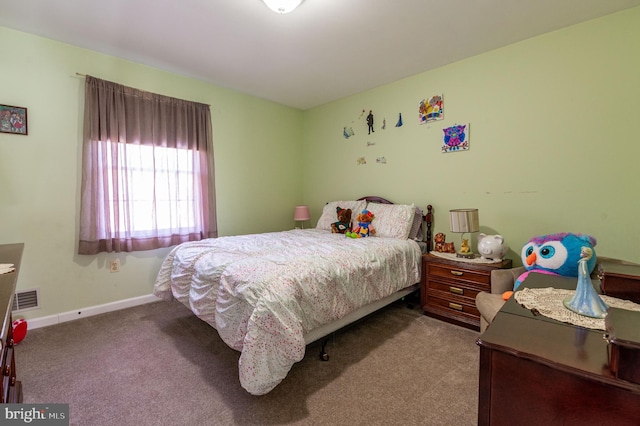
586,301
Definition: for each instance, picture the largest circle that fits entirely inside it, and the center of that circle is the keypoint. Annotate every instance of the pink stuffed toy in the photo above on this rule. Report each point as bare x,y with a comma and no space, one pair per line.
364,228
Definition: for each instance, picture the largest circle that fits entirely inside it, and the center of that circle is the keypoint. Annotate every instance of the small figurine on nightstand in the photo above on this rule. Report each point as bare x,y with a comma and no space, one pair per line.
465,250
441,246
492,247
464,246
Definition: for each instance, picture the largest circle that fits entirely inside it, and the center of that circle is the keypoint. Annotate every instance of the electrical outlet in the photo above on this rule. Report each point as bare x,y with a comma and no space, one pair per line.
114,265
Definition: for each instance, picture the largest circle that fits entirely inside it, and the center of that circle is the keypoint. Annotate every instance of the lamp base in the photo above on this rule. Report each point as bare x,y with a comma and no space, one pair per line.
466,255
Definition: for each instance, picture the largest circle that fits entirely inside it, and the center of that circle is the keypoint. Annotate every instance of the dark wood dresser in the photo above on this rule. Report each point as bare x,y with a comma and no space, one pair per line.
10,388
621,280
538,371
449,288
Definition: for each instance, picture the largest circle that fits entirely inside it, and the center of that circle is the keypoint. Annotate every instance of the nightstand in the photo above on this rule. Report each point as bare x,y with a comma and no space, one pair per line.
449,287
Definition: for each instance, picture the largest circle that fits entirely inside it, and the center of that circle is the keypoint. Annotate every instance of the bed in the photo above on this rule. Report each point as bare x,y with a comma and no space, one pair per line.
269,295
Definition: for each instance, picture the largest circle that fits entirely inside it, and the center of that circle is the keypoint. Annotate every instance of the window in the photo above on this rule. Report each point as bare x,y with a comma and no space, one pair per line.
147,170
158,188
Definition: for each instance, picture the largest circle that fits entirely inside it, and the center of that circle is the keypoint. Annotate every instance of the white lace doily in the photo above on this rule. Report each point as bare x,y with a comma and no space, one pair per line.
452,256
548,302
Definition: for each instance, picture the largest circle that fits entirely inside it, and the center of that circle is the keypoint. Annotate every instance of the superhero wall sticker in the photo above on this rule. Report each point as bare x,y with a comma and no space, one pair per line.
367,121
455,138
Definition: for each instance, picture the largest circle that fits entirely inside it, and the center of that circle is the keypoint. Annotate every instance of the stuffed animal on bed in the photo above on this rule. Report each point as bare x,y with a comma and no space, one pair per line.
343,225
364,228
556,254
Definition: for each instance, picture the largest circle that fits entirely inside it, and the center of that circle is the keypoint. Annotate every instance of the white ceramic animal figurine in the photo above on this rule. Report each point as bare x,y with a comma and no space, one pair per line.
492,247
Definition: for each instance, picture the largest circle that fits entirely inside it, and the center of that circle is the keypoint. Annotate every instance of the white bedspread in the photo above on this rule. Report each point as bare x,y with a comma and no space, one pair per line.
263,292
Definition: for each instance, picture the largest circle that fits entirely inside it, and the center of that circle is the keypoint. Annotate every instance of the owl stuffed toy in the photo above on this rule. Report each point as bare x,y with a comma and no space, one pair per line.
556,254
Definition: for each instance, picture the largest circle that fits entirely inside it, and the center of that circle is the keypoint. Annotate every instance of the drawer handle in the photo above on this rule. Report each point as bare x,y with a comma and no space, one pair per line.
456,290
455,306
457,273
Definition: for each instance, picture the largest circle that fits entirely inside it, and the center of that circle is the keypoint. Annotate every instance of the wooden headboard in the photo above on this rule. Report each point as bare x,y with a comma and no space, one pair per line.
375,199
428,217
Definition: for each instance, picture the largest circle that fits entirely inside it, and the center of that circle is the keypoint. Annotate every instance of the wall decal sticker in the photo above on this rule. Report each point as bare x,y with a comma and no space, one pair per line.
347,132
370,122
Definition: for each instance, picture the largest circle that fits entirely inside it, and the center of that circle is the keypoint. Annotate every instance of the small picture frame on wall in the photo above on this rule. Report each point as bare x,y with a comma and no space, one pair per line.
13,120
456,138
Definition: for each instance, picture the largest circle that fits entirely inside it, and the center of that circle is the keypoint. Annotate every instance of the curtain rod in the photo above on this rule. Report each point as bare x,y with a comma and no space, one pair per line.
84,75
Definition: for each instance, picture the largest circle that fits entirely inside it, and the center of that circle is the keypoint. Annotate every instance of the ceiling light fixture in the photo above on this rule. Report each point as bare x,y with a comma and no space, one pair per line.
282,6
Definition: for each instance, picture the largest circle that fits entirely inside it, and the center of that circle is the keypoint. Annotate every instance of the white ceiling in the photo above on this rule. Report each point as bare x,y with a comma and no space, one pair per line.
323,51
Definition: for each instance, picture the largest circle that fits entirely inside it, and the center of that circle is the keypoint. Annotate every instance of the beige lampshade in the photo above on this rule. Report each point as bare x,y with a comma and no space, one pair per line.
464,220
301,213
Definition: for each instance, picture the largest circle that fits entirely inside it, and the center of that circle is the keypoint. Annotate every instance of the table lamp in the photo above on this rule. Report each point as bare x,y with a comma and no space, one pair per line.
301,213
464,221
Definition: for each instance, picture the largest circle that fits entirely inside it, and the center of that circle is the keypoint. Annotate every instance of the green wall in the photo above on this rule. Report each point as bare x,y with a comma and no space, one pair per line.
256,145
553,148
553,139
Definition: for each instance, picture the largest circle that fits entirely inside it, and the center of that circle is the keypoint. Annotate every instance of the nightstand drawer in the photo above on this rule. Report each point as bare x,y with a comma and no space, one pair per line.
459,273
452,309
457,289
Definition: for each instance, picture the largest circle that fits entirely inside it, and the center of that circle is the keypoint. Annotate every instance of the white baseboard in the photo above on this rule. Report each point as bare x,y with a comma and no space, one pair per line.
90,311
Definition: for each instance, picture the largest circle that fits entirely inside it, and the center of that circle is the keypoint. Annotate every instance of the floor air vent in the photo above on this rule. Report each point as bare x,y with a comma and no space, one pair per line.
25,300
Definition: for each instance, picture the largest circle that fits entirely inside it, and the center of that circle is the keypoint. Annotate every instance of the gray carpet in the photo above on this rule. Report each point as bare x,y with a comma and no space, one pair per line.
158,364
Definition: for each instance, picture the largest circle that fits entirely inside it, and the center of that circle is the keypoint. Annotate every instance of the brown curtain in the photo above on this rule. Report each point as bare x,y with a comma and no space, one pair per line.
147,170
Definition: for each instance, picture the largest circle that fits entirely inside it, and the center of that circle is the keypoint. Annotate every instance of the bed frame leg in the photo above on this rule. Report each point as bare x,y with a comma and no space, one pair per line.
323,354
411,298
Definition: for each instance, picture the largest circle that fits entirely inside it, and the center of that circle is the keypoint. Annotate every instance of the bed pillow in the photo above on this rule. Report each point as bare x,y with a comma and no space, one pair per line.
392,220
416,226
329,214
